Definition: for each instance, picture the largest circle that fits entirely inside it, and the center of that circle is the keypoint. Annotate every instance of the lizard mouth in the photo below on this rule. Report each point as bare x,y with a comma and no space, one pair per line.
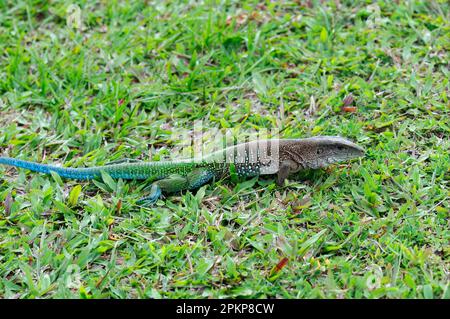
356,148
360,150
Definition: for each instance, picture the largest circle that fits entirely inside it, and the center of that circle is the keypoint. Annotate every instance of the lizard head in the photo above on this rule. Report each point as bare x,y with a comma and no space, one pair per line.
321,151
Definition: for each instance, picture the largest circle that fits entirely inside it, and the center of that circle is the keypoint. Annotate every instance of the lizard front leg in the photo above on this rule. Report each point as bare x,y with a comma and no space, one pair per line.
286,168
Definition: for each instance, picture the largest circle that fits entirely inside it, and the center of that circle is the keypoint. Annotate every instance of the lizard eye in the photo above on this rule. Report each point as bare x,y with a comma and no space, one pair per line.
340,148
319,150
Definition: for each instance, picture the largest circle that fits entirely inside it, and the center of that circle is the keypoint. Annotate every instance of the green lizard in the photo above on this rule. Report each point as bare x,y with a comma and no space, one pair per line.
280,157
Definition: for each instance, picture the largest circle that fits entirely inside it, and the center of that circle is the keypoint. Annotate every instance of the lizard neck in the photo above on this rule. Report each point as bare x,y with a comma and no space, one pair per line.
297,159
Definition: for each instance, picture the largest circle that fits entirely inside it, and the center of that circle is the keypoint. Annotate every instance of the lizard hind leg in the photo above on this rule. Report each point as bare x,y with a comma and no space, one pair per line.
170,184
176,183
149,200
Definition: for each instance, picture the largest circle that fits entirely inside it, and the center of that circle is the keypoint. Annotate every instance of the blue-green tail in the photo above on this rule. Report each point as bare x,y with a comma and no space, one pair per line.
137,171
73,173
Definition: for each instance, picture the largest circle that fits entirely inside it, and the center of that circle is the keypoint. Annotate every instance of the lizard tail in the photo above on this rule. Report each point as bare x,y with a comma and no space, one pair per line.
73,173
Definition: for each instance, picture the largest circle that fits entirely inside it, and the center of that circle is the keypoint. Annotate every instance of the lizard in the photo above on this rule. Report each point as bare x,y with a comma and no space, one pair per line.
280,157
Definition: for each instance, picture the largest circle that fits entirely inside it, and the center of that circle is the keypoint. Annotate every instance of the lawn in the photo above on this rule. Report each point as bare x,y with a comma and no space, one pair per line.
96,81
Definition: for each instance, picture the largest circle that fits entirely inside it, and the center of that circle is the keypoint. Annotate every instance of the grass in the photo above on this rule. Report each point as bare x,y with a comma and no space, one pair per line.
135,71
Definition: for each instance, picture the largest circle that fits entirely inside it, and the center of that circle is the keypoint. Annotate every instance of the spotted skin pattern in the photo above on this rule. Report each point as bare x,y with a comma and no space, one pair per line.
282,157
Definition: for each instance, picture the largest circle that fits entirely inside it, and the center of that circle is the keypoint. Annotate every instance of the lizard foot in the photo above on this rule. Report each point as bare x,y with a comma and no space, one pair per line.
152,198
